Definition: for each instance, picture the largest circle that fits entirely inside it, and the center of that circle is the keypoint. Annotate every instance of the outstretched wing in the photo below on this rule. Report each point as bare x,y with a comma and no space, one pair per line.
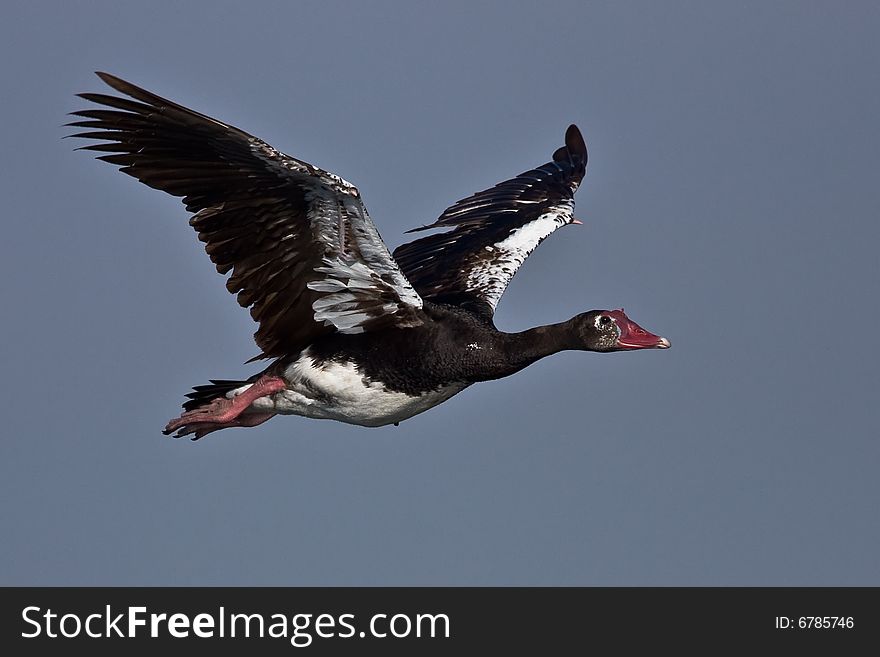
494,231
304,254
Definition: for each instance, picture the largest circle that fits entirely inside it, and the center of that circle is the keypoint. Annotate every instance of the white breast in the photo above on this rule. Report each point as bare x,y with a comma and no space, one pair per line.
338,391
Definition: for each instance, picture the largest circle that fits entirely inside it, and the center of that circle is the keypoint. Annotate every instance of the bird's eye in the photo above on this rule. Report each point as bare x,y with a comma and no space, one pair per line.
604,320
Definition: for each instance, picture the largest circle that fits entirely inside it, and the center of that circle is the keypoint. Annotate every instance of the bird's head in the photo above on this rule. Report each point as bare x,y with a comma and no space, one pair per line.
612,330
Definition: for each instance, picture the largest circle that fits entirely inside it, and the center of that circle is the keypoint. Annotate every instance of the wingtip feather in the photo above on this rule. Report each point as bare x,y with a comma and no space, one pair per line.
419,228
574,142
109,79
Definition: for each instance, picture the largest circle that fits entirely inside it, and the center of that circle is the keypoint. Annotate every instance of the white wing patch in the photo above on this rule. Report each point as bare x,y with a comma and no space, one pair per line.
491,272
346,283
359,279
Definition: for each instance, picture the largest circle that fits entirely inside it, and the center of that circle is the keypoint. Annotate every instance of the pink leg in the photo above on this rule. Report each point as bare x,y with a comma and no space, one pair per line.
243,420
221,412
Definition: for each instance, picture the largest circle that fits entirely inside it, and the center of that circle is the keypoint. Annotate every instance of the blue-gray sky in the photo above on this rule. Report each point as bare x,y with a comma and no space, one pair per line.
731,205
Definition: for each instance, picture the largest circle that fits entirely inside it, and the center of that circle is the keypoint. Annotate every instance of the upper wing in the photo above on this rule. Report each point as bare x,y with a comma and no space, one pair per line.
303,252
494,231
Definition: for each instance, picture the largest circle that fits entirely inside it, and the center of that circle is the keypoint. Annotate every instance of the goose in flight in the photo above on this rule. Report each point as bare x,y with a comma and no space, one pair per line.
354,333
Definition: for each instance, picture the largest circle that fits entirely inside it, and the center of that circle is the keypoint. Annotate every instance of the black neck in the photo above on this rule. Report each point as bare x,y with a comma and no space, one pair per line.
524,348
